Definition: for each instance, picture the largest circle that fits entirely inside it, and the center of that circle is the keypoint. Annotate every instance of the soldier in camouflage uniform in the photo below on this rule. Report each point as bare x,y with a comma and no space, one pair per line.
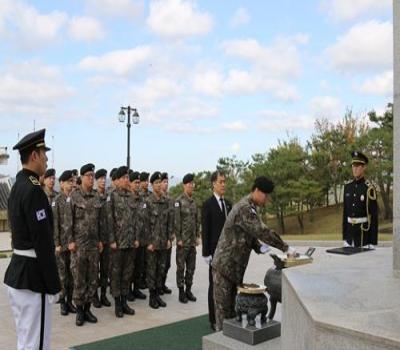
164,188
242,232
123,240
85,244
100,177
187,238
49,180
139,256
62,216
158,240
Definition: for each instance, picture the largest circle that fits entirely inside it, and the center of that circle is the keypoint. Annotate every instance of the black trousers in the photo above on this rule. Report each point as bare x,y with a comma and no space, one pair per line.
211,307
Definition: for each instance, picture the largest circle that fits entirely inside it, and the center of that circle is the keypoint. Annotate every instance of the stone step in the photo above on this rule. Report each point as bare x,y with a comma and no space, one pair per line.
218,341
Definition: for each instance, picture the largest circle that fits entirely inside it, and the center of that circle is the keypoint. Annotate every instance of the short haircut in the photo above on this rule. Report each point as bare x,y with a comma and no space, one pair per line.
25,154
215,174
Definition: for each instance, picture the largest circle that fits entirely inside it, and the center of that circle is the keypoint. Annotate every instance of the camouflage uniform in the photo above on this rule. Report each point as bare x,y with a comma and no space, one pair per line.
87,231
142,251
123,233
139,256
105,254
51,195
157,218
243,228
171,233
187,231
62,217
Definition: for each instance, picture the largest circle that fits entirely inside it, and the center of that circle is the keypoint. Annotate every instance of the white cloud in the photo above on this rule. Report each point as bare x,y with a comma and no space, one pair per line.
25,26
236,126
209,82
235,148
345,10
326,107
85,29
120,62
279,120
117,8
187,128
381,84
240,17
366,46
178,19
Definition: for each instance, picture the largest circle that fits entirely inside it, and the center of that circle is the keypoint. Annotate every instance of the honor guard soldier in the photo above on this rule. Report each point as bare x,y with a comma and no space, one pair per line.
32,276
187,238
49,182
84,242
241,234
100,177
360,208
62,216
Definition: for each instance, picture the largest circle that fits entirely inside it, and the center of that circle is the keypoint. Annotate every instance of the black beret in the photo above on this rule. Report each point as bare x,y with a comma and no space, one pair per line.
121,171
86,168
74,172
144,176
100,173
358,157
263,184
66,175
32,141
134,175
164,176
156,176
188,178
112,172
49,172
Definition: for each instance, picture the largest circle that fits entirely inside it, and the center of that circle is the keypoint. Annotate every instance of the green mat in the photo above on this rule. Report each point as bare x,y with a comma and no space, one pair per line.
183,335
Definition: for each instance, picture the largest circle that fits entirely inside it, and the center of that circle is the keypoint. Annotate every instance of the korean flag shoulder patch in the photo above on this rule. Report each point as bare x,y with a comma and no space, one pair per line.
41,215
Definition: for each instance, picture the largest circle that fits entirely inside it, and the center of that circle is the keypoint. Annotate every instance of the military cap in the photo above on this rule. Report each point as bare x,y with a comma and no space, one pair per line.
121,171
112,172
74,172
134,175
164,176
188,178
263,184
358,157
32,141
100,173
156,176
144,176
66,175
86,168
49,172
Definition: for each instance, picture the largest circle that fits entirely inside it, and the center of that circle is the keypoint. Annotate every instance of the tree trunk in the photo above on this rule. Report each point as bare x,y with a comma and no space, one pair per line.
388,211
281,222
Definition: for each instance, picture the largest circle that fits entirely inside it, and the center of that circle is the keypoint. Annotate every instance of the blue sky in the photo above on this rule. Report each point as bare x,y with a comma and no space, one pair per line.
208,78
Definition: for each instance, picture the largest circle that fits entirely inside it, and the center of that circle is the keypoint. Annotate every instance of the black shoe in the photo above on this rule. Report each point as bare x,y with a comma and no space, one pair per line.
190,295
71,306
166,290
104,301
80,316
125,307
182,296
118,307
88,314
153,303
160,302
138,294
131,295
63,307
96,301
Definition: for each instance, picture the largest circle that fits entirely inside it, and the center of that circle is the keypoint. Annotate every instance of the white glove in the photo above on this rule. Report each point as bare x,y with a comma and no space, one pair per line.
264,248
291,251
207,259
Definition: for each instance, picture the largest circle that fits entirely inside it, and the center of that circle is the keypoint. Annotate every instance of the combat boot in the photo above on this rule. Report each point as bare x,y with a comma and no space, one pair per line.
63,307
125,307
160,302
80,316
131,295
88,314
153,303
190,295
96,300
138,294
166,290
70,305
182,296
103,298
118,308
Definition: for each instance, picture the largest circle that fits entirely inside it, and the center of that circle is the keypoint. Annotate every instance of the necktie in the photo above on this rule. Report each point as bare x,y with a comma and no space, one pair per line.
223,206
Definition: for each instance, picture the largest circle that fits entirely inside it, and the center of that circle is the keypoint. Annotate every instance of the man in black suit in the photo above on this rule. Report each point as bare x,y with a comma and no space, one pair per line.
214,212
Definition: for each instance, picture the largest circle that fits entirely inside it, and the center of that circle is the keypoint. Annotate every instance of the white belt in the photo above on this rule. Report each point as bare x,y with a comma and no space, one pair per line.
30,253
354,221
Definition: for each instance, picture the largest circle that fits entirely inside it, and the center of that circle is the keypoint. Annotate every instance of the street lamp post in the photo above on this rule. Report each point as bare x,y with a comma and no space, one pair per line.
135,120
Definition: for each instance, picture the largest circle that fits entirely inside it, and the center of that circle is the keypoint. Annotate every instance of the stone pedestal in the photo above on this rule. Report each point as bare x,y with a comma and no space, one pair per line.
218,341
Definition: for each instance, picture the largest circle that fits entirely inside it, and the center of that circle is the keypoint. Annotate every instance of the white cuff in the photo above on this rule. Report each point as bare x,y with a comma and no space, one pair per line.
264,248
207,259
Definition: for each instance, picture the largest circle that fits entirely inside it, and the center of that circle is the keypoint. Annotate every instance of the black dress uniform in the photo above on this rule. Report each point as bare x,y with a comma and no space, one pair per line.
360,210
